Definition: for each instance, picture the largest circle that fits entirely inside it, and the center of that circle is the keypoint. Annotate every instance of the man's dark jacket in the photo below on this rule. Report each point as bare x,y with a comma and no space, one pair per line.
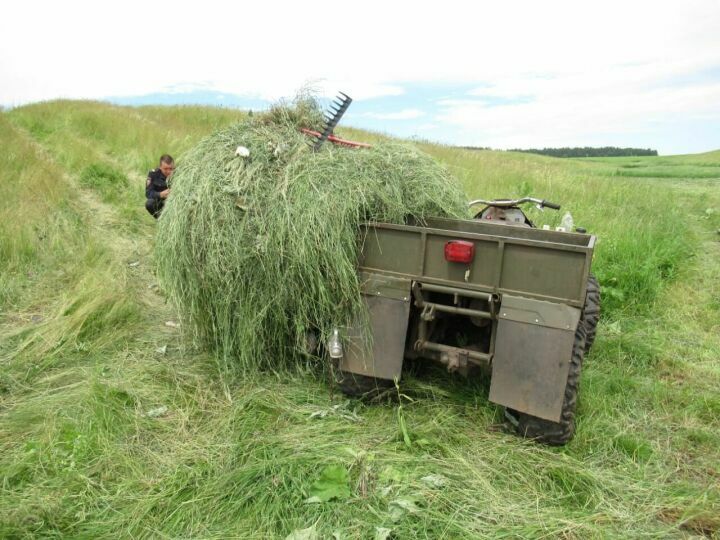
156,182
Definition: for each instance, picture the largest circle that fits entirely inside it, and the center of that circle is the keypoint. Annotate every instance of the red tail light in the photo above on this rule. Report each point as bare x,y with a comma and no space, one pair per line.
459,251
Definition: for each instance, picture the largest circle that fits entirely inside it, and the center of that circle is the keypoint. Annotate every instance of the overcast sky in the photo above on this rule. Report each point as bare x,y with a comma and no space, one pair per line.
499,74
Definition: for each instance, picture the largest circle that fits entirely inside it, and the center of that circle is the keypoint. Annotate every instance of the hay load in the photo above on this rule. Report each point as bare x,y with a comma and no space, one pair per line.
256,247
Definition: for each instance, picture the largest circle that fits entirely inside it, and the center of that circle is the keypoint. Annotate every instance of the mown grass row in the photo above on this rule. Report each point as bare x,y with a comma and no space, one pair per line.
110,425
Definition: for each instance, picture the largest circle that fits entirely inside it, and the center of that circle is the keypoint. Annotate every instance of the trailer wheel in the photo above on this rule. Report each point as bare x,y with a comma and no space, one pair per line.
363,387
546,431
591,311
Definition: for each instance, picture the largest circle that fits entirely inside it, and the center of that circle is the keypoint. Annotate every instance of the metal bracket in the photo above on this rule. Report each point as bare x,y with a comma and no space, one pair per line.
428,312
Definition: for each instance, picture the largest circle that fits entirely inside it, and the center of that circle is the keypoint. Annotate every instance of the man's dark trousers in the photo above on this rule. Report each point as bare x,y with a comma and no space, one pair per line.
155,184
154,206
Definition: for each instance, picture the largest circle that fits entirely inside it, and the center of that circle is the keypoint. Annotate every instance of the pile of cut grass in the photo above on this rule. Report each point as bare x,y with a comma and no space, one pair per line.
256,251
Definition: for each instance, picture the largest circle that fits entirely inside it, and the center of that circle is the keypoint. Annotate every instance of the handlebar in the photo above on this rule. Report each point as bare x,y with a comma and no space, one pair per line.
550,205
507,203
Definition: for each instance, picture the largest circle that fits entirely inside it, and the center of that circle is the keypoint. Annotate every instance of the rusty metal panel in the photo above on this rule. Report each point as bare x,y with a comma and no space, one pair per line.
383,285
392,250
532,359
383,356
548,314
542,271
518,261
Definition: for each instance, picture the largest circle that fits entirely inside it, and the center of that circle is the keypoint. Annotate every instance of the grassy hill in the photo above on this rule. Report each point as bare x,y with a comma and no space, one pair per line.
111,425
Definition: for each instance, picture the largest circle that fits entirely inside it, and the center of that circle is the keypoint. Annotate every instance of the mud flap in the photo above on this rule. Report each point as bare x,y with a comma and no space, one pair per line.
379,352
533,349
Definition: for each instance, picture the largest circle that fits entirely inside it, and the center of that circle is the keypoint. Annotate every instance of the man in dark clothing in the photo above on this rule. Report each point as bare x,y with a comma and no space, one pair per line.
156,187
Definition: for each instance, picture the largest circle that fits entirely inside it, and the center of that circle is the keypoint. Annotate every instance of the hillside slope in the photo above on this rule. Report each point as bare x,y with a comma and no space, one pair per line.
112,425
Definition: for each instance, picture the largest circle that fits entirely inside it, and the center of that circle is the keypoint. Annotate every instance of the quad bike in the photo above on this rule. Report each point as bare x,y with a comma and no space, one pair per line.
493,292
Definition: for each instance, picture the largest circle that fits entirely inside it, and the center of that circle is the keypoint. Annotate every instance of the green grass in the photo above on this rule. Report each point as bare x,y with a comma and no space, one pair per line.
87,364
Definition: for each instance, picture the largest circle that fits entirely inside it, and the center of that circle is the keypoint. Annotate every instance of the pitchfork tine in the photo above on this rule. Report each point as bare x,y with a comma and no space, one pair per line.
332,117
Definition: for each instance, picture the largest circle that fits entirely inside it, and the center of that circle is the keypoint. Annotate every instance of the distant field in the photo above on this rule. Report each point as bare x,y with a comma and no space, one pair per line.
690,166
111,425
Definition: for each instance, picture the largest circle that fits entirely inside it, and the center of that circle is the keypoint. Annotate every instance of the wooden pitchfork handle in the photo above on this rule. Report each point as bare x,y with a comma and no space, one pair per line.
337,140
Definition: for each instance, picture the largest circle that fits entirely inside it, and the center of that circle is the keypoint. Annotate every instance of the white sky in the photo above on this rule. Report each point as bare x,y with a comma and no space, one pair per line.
570,71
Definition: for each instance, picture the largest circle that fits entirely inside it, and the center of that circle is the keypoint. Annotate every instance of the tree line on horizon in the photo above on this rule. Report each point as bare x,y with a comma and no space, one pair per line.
578,151
587,151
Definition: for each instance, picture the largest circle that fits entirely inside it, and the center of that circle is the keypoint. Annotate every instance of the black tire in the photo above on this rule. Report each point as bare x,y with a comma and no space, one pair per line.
362,386
557,433
591,311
